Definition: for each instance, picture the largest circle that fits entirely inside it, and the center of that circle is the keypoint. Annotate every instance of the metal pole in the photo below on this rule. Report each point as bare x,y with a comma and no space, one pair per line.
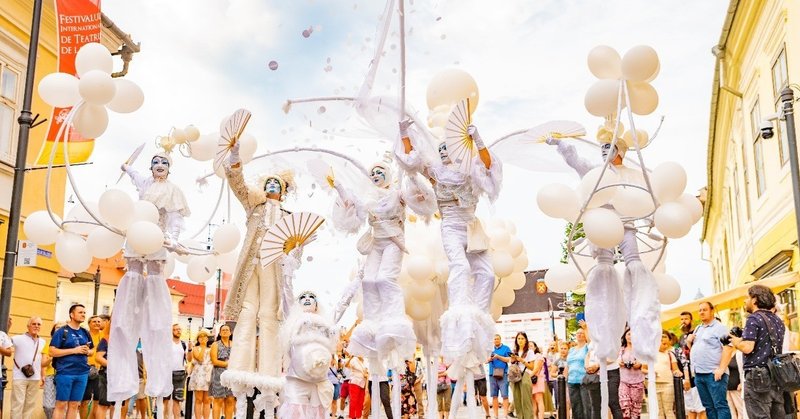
96,289
562,395
218,301
787,97
25,121
680,404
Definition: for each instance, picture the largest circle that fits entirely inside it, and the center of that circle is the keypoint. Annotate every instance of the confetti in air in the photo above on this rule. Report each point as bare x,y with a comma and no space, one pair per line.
273,65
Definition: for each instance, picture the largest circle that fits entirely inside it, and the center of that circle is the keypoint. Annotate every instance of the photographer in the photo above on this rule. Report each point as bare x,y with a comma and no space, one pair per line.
710,357
763,330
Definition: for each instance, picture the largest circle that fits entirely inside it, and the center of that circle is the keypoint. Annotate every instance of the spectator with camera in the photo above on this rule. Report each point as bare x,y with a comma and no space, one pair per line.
710,354
761,339
70,348
27,373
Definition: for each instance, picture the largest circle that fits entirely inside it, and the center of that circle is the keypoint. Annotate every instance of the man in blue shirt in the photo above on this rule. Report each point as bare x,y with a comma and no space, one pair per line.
763,398
70,348
498,373
710,362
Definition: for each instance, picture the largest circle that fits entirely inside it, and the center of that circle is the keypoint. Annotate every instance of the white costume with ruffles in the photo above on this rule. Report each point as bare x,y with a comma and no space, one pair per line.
467,328
143,307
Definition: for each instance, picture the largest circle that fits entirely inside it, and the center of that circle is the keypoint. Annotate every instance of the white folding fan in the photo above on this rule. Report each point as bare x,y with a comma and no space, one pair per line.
460,146
289,232
230,130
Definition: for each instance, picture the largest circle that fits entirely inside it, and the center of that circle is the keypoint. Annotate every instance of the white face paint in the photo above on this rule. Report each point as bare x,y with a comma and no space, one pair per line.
606,150
308,301
160,167
443,154
272,186
378,176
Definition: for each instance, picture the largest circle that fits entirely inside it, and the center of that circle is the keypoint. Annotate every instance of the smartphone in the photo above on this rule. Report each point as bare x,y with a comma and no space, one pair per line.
580,316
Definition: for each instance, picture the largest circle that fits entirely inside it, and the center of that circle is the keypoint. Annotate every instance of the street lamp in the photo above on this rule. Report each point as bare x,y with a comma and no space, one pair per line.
787,114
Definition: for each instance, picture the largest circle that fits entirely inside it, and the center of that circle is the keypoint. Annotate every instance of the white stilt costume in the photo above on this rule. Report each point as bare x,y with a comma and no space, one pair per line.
143,307
308,339
467,328
254,298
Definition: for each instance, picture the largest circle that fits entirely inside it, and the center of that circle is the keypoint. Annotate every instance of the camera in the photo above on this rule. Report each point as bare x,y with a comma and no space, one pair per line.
767,130
735,331
629,364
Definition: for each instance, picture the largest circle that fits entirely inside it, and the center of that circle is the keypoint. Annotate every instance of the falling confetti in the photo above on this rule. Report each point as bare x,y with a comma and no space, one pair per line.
328,68
310,259
438,18
273,65
321,110
443,37
308,32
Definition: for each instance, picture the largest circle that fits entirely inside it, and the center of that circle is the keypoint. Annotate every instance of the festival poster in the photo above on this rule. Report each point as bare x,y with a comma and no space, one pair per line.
78,23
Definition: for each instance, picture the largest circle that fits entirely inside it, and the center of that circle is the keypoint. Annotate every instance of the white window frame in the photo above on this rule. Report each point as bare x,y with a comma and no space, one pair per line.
12,58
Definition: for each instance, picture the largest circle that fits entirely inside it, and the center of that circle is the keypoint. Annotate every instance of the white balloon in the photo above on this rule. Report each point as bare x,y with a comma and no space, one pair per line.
419,267
633,202
248,147
97,87
129,97
673,220
145,237
226,238
442,270
178,135
201,268
40,229
192,133
669,289
205,147
78,213
145,211
515,247
602,99
59,90
422,291
90,120
640,63
72,253
418,311
562,278
93,56
504,296
693,205
227,261
495,223
169,267
605,62
521,262
116,208
516,280
602,196
511,227
603,227
103,243
496,311
502,263
499,237
644,98
668,181
557,200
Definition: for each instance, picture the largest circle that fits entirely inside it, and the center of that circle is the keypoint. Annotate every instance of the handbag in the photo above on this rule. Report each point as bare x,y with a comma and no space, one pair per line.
590,379
93,373
515,373
783,368
27,370
498,372
442,387
477,240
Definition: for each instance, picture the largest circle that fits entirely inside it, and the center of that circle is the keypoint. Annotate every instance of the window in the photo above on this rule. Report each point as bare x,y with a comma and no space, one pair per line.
780,80
10,103
735,200
746,175
758,150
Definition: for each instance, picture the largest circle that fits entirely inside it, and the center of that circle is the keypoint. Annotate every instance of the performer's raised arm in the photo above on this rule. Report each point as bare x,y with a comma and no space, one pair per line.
571,157
138,180
487,170
233,172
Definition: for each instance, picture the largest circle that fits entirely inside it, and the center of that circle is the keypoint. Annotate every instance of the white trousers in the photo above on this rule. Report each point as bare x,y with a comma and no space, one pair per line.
23,397
383,297
143,309
465,266
259,312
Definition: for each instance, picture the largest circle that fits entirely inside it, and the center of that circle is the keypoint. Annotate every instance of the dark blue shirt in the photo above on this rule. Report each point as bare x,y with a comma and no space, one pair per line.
68,338
755,330
102,346
503,351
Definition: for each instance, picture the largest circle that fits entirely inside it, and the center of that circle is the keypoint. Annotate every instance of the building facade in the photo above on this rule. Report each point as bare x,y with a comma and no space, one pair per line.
749,229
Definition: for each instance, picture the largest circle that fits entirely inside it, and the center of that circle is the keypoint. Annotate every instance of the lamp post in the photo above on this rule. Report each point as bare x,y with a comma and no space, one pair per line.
96,289
787,97
25,121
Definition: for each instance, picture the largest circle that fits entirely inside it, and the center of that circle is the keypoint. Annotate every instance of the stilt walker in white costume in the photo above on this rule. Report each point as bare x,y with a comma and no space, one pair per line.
254,299
608,306
143,308
467,325
308,339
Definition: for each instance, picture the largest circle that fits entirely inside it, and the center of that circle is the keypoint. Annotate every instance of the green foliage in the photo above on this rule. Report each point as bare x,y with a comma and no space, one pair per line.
578,301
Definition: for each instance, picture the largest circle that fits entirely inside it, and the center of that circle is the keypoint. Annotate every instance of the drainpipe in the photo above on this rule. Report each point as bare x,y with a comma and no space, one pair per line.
128,46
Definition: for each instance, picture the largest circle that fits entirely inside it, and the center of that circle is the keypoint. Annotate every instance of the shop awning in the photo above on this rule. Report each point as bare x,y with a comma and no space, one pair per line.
732,298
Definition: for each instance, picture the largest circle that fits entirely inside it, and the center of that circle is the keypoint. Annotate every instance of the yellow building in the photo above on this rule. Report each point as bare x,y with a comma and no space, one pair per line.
749,223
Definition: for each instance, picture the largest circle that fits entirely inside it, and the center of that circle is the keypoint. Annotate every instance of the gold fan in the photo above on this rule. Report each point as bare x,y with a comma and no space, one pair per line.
289,232
230,130
555,129
460,146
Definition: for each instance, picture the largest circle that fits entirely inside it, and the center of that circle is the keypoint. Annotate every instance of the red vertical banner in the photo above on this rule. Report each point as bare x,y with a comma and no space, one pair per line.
78,23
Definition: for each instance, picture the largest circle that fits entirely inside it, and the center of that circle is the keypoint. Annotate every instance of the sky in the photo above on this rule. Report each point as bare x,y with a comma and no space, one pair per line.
202,59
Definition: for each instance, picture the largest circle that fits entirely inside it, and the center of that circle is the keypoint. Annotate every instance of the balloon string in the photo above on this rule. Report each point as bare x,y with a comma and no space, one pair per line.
59,134
402,18
214,212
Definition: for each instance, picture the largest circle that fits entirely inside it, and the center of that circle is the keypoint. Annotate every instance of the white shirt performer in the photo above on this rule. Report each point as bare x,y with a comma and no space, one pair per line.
308,340
467,326
254,298
143,307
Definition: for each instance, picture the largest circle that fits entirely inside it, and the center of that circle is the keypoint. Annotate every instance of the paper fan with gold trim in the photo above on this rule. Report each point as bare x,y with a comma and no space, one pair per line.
289,232
230,129
460,146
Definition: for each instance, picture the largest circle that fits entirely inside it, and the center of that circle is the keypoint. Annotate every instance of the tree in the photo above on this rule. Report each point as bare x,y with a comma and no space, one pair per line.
575,302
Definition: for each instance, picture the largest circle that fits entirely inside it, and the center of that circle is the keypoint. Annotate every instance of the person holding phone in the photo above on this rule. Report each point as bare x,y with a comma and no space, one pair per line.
70,348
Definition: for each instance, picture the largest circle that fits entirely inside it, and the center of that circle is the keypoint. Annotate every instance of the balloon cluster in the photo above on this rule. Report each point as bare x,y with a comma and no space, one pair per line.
92,91
426,266
445,90
178,136
636,69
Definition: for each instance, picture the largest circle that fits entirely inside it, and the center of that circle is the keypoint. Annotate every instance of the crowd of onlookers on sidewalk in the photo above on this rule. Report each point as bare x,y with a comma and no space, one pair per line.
724,373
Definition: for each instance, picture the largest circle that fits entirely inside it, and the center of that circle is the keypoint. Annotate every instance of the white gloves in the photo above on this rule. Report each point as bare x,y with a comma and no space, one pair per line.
550,140
234,158
472,130
403,125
